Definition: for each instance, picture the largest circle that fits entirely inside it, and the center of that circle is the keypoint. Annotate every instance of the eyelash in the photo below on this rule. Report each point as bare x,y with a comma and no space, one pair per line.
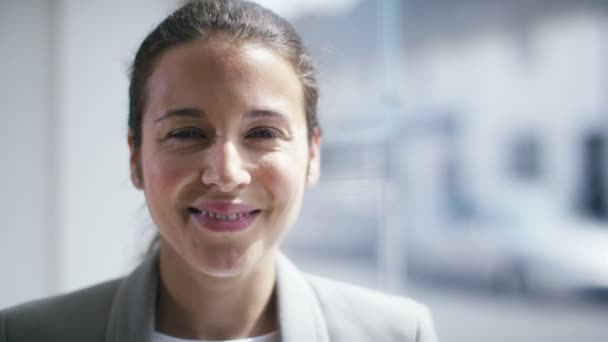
187,133
192,133
264,134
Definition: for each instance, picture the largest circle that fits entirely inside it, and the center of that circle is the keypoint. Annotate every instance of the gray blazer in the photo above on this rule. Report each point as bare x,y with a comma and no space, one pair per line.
311,309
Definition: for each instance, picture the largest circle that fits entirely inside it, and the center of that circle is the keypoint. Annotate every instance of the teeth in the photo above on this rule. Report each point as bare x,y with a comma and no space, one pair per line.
231,217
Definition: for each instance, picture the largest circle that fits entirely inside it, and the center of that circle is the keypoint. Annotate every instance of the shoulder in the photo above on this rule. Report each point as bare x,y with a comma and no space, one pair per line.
76,316
352,312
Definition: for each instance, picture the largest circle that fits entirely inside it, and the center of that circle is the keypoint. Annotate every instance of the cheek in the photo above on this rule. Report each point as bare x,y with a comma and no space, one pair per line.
284,177
163,174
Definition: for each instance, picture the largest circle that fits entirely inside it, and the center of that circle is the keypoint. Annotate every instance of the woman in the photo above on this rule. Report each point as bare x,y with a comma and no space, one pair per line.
223,138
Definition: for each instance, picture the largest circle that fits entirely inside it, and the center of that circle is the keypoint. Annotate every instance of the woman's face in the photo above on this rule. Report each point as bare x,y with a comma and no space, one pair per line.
225,156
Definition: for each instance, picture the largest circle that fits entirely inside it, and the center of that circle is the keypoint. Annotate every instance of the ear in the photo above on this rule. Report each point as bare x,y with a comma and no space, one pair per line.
134,163
314,158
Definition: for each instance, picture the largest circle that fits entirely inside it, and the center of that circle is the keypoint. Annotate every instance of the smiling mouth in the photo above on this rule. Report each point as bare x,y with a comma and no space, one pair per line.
223,217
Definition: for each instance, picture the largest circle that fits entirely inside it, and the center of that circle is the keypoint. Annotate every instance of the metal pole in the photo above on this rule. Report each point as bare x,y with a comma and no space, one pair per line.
390,245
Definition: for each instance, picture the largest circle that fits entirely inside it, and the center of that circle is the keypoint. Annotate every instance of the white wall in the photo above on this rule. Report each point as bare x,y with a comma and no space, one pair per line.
25,142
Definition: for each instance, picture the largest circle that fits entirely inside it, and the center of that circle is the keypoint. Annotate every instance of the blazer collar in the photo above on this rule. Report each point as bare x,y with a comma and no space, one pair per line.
299,311
300,316
132,314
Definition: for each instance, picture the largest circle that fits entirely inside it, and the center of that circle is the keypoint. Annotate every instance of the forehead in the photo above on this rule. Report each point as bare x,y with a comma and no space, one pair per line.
248,74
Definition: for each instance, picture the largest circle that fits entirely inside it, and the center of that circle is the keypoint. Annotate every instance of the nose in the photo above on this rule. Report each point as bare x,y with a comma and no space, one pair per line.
224,169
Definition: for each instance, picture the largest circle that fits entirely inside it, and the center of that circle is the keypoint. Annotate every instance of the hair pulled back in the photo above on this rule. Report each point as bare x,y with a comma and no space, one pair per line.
239,21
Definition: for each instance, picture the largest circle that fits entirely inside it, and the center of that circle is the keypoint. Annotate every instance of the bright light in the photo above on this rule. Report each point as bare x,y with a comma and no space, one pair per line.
295,8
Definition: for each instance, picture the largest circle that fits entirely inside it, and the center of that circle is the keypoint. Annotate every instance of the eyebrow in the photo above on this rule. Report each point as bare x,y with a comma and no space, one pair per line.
254,114
198,114
183,112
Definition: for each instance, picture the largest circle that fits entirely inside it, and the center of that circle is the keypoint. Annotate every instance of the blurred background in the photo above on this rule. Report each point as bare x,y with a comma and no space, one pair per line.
465,161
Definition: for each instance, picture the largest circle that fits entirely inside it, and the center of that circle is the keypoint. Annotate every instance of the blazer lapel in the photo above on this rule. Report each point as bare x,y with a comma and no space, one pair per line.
132,315
299,311
300,315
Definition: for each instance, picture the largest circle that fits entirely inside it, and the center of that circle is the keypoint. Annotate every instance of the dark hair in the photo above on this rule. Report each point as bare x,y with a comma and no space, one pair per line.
235,20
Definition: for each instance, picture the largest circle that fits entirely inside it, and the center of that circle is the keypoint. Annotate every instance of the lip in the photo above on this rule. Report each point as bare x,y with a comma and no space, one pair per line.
205,215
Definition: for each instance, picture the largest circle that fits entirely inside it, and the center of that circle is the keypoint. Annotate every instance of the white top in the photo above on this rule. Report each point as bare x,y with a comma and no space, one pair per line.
271,337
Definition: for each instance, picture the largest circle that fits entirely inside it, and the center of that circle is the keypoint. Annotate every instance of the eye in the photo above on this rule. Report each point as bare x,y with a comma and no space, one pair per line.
264,133
187,133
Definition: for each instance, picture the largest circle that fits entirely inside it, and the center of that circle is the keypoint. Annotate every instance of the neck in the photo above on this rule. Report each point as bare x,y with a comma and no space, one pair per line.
194,305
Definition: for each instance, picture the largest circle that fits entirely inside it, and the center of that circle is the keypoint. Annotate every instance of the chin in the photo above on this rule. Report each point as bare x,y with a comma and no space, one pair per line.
230,262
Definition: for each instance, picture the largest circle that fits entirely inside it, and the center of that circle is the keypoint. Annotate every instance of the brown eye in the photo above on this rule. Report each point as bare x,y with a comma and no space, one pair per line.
264,133
187,133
